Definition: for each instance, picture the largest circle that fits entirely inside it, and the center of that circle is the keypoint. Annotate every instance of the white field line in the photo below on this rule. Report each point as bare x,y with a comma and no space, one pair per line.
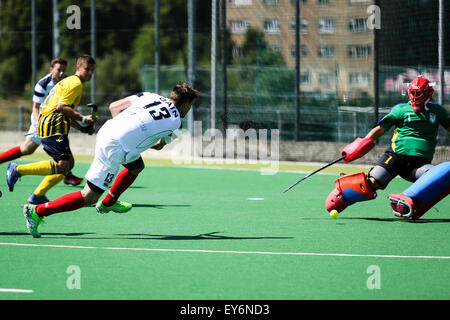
16,290
388,256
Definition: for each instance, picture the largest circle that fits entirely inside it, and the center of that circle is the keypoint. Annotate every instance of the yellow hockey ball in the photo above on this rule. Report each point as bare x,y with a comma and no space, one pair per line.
334,213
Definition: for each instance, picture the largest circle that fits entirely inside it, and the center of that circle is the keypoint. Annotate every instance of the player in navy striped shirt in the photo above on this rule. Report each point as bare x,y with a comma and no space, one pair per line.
32,141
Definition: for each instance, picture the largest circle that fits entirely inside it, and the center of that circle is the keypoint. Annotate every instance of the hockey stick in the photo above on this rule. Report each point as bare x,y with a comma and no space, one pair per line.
94,110
310,174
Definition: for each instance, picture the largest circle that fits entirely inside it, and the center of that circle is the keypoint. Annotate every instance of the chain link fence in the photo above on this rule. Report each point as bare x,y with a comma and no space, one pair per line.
335,65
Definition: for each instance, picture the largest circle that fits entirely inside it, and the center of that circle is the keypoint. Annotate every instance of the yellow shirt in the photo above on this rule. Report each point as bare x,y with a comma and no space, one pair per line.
52,122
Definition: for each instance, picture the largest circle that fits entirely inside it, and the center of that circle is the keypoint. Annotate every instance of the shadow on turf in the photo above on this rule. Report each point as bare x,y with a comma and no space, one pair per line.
160,206
142,236
203,236
401,220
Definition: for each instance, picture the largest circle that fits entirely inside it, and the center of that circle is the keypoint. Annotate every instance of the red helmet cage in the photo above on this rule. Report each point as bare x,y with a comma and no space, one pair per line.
420,92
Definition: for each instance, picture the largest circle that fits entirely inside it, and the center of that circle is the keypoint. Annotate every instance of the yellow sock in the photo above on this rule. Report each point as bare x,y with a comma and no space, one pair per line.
47,183
42,168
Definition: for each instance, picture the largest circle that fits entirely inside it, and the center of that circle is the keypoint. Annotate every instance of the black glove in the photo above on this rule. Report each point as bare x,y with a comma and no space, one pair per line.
87,129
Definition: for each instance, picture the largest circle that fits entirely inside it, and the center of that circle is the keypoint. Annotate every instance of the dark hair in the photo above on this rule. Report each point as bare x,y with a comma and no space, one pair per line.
85,58
182,93
58,60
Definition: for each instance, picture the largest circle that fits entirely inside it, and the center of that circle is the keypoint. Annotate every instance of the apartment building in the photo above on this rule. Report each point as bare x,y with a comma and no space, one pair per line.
336,41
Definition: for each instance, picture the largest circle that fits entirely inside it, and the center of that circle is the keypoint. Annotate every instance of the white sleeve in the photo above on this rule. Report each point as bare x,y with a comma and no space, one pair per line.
136,96
39,94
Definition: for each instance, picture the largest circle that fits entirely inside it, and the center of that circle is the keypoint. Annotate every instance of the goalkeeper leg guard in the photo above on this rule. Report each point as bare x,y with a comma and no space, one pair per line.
348,190
429,189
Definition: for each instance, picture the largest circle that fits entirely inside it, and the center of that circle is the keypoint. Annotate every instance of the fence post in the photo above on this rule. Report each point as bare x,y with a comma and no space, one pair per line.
441,54
157,49
376,72
21,118
191,77
224,39
94,49
297,71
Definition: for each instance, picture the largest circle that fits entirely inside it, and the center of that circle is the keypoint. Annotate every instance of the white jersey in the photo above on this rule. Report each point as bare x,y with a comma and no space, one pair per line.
41,90
149,118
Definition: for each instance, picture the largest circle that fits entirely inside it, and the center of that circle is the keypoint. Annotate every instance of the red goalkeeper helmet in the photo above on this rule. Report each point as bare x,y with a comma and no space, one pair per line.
420,92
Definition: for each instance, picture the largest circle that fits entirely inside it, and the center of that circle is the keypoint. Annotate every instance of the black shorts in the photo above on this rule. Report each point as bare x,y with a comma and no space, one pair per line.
402,165
57,147
136,164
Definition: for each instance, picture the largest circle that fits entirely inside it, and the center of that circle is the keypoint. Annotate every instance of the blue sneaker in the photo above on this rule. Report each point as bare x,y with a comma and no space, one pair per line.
34,199
12,175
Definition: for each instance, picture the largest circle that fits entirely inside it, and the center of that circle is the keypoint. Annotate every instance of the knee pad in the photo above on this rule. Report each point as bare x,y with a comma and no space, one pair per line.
381,175
348,190
422,170
429,189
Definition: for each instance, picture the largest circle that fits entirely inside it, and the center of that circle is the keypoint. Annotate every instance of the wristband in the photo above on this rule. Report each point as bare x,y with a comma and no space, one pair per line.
83,120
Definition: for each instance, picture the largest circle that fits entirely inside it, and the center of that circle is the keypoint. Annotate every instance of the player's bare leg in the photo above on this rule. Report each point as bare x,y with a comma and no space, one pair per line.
28,147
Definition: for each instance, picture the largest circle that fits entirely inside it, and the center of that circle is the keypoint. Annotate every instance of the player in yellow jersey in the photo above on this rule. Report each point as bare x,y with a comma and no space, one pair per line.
32,141
55,119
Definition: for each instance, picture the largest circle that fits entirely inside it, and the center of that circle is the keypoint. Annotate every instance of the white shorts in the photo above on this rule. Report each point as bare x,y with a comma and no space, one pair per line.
109,156
32,133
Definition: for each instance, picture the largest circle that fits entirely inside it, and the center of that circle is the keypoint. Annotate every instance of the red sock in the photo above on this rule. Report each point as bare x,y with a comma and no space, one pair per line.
10,154
67,202
124,179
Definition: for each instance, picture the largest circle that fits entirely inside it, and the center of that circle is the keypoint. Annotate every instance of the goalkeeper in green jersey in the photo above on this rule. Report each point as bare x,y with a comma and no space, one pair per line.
409,156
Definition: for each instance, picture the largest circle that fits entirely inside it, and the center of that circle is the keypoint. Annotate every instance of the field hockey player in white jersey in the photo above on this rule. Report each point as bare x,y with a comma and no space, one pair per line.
139,122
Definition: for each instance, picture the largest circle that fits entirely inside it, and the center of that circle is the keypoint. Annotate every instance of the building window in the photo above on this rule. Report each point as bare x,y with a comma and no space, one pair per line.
305,78
358,1
326,26
241,3
303,26
325,78
271,2
294,2
323,1
271,26
237,52
359,51
303,51
358,25
359,79
239,26
326,52
293,51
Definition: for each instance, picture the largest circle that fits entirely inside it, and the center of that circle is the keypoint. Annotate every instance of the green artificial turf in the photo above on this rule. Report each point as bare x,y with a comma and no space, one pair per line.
193,233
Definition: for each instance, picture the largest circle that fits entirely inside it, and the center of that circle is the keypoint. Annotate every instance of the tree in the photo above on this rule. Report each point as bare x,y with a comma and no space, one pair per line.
14,47
270,80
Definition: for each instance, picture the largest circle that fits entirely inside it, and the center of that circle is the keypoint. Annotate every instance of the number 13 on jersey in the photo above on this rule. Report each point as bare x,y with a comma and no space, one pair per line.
160,112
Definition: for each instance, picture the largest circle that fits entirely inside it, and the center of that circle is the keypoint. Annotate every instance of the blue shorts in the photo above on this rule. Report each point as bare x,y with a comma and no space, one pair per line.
57,147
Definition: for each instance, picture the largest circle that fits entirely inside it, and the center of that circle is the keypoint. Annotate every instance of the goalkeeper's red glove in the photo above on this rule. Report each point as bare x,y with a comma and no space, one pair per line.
357,149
